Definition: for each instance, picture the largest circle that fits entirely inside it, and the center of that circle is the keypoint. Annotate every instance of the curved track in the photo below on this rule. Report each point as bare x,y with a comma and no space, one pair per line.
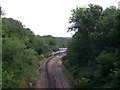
52,74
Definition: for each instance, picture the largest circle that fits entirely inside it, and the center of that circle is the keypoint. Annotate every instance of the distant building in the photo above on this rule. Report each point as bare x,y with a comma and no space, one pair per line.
119,5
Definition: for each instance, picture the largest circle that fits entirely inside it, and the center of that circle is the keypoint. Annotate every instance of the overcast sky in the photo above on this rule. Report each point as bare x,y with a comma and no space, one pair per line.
47,17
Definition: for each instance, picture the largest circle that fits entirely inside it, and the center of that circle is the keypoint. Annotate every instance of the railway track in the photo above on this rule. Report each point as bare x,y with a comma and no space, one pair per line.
51,75
60,77
50,81
61,81
54,78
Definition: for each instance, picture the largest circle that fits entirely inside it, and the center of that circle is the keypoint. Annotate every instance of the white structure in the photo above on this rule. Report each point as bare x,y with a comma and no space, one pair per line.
62,49
119,5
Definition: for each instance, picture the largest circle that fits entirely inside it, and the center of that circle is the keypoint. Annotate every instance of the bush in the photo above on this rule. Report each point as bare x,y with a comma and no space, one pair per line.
107,71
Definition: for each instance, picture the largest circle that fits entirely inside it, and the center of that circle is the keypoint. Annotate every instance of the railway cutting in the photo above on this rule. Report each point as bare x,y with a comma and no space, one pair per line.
51,75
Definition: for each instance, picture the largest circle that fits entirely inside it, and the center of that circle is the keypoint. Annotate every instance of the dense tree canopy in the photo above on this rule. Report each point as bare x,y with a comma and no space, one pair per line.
20,48
94,51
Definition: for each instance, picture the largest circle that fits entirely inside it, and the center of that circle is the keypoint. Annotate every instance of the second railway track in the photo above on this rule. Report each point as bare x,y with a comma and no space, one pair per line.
53,78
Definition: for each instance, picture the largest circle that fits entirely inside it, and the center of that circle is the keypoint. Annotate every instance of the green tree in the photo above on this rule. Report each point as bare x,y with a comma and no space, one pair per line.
95,44
20,49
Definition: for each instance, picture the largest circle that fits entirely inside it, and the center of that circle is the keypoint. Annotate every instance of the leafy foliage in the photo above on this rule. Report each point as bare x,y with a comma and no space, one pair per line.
20,50
94,51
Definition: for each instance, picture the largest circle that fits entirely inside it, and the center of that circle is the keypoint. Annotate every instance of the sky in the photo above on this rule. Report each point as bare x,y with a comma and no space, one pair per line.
47,17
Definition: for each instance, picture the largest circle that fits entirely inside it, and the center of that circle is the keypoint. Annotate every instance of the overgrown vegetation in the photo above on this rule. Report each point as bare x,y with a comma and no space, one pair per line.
94,51
20,48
